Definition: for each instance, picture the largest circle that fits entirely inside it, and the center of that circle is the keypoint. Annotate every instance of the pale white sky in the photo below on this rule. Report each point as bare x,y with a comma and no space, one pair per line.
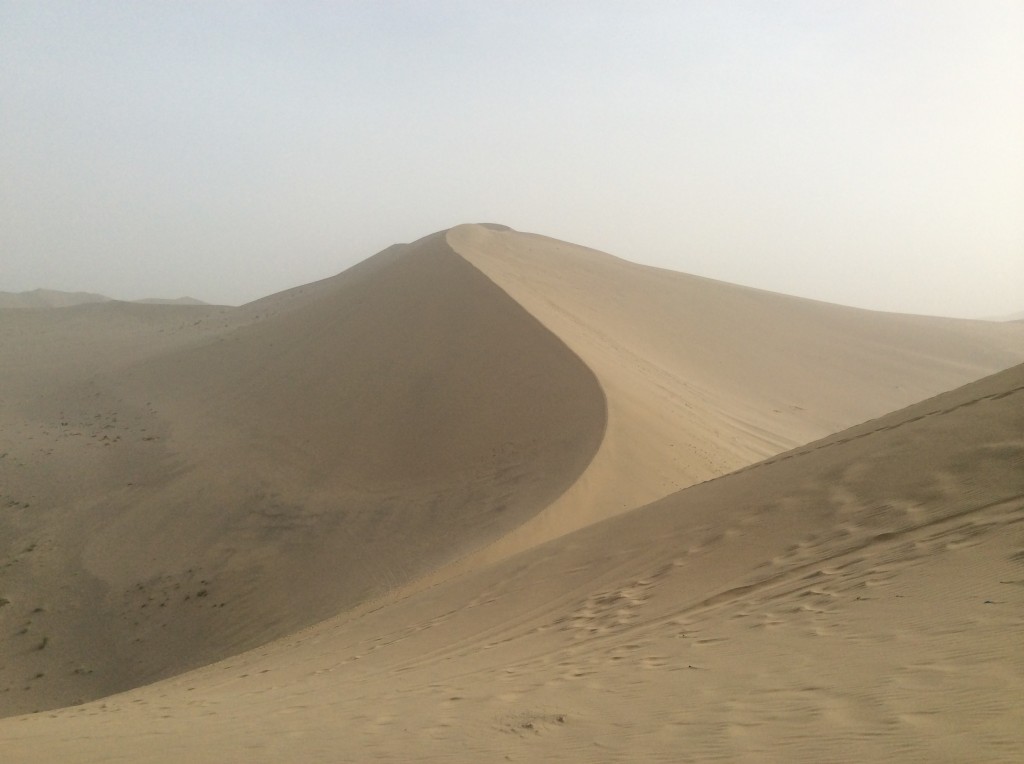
867,153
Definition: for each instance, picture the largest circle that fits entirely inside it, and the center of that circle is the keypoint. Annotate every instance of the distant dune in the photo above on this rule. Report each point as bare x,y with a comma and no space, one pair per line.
51,298
490,495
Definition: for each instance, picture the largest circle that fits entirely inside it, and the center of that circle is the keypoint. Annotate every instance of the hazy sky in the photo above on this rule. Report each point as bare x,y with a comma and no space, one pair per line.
868,153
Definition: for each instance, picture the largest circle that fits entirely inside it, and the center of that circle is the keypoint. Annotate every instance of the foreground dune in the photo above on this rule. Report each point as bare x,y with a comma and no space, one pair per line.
447,445
860,598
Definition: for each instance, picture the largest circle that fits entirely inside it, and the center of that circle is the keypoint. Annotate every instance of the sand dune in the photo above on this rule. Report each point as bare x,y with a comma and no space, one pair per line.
247,484
449,446
857,599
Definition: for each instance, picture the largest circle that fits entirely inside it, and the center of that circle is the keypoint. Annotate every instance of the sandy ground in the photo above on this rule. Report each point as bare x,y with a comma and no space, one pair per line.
489,497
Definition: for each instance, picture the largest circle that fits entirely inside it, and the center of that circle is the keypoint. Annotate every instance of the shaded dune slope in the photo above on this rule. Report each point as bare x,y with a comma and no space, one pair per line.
855,599
397,416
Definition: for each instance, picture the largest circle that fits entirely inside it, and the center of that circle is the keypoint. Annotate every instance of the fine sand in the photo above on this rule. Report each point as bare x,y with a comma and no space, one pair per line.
490,496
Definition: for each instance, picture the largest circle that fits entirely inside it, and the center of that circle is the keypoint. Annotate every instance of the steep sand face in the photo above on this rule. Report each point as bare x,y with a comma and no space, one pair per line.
703,377
857,599
251,483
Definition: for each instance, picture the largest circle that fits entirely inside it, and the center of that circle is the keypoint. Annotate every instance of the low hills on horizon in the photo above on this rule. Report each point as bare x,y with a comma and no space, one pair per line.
53,298
483,455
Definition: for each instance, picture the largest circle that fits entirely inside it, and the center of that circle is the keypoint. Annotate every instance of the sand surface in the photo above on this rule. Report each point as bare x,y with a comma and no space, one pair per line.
490,496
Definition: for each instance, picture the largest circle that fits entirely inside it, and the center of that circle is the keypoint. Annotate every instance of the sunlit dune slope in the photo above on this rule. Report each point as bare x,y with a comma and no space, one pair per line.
703,377
856,599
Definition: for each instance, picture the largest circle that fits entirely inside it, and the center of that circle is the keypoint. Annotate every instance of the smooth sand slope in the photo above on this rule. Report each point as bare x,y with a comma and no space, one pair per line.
860,598
703,377
181,483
